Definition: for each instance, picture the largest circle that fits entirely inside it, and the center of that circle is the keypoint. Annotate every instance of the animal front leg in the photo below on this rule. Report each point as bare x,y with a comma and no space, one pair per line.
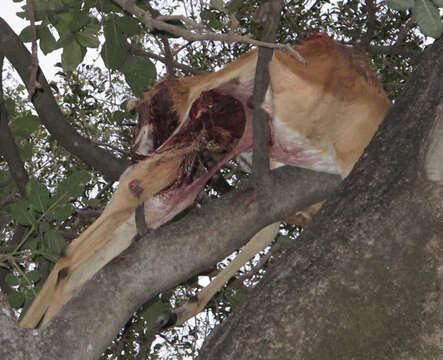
104,238
259,242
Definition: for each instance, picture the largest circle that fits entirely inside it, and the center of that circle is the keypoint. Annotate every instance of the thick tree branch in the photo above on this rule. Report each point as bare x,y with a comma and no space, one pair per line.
392,50
365,281
163,259
50,114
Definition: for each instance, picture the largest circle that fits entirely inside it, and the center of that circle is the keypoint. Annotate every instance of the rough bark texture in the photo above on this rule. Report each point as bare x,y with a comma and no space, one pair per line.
365,280
159,261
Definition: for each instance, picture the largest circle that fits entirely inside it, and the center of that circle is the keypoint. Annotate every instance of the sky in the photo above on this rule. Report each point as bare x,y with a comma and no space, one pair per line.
8,13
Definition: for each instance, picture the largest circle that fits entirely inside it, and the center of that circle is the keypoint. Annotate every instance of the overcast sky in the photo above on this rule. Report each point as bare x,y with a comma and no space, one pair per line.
8,12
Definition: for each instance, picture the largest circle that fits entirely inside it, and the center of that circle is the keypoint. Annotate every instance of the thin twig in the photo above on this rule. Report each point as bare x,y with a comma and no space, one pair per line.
393,50
33,84
168,56
152,23
191,23
371,22
403,33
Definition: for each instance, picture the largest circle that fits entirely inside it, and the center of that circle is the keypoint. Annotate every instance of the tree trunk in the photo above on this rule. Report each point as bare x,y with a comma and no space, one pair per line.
365,280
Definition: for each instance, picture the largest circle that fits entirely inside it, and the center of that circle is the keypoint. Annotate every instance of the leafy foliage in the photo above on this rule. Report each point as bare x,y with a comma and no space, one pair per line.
425,12
63,194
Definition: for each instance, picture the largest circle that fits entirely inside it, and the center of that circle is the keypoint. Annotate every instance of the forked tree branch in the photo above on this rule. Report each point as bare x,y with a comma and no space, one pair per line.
153,23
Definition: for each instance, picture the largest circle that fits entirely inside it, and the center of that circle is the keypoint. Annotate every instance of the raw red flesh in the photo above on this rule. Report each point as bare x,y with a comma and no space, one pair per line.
217,122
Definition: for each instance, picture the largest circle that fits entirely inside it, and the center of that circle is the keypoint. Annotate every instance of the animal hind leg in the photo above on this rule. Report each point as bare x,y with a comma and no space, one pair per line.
259,242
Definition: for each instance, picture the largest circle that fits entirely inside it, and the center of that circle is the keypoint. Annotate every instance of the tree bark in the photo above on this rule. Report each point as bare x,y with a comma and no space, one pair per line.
365,281
159,261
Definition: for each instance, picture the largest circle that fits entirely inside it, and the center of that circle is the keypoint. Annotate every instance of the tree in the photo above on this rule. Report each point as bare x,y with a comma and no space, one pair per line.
363,282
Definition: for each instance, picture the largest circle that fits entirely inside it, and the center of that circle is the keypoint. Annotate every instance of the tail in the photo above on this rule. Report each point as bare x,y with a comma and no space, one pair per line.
190,309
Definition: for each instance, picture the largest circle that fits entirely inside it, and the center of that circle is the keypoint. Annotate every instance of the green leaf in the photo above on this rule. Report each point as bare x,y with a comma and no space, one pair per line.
54,242
152,313
62,22
428,18
87,40
216,24
128,25
92,28
115,51
25,125
401,4
285,241
12,280
438,3
234,5
47,40
33,276
72,187
20,212
16,299
5,218
10,106
118,116
37,195
108,6
43,227
72,56
4,177
33,244
26,151
206,14
26,33
80,19
236,300
219,5
61,213
139,73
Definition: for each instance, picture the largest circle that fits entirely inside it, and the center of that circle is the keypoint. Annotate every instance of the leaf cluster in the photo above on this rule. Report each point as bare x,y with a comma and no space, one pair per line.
93,99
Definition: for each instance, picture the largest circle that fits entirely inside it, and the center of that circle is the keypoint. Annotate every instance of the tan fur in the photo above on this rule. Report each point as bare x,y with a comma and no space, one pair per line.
331,106
334,83
155,174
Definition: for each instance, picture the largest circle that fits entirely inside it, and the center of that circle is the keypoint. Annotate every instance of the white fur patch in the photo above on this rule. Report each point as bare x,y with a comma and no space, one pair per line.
291,148
143,142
